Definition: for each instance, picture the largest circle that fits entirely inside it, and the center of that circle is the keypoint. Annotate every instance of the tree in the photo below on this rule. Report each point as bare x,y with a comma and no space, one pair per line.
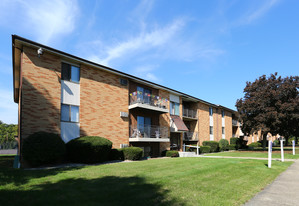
8,132
271,105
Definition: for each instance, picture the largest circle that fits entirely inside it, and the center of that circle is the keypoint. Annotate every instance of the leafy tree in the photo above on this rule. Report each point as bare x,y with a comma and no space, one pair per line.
8,132
271,105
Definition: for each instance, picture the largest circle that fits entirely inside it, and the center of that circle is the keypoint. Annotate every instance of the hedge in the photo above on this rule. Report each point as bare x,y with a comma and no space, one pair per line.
43,148
213,144
232,147
255,144
132,153
172,153
223,145
89,149
116,154
205,149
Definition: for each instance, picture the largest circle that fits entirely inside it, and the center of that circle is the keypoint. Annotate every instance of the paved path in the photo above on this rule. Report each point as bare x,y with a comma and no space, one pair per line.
252,158
282,191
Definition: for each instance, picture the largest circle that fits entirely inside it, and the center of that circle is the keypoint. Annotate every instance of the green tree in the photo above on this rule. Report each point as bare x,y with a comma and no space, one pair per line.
271,105
8,132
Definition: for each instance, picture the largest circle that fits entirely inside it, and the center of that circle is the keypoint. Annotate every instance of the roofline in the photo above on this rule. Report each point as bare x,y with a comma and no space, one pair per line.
109,69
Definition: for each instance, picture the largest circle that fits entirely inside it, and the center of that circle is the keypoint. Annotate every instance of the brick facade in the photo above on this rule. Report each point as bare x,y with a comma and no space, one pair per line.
102,98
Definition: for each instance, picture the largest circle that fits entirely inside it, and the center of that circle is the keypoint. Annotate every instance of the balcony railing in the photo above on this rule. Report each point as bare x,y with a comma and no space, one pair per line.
148,99
149,131
189,113
190,136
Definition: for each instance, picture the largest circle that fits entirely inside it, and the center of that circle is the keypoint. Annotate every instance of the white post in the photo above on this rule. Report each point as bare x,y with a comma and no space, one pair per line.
269,153
281,148
197,149
293,147
184,147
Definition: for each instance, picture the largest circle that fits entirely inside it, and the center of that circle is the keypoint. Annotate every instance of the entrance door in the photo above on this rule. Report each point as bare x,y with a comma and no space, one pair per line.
175,141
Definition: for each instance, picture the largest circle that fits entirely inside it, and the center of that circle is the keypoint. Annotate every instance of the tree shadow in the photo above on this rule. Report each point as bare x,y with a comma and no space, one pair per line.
109,190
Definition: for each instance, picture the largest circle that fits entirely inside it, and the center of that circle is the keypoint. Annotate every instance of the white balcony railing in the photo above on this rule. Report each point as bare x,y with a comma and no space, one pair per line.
189,113
149,131
190,136
148,99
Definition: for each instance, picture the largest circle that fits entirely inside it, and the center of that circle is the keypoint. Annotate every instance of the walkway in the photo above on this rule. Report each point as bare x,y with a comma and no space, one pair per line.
252,158
282,191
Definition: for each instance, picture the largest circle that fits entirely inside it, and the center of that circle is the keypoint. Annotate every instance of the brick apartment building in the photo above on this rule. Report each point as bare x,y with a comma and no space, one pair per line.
61,93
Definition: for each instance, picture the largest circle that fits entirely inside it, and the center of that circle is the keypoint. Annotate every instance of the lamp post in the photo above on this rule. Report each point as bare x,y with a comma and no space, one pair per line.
293,143
269,151
281,147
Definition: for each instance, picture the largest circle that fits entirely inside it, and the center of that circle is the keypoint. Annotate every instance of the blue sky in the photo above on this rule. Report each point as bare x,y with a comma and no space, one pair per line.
208,49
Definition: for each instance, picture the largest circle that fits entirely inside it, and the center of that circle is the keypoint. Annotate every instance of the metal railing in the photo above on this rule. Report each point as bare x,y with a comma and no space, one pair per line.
190,136
189,113
146,98
149,131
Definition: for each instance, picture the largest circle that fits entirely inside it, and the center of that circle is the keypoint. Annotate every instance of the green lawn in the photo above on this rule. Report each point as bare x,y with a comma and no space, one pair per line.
170,181
262,154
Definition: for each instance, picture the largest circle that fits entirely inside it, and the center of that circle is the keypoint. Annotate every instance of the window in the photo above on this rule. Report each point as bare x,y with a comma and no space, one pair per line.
69,113
222,130
70,73
211,111
144,125
222,111
143,95
174,108
211,130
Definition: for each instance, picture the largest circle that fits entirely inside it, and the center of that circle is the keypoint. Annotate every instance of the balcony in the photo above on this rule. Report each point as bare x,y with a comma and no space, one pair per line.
190,136
189,114
148,101
149,133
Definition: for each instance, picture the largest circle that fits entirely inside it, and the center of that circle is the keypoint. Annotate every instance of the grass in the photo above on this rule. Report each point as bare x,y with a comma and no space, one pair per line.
170,181
260,154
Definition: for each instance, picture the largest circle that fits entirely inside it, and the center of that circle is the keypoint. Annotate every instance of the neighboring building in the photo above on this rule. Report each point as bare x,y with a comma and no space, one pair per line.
60,93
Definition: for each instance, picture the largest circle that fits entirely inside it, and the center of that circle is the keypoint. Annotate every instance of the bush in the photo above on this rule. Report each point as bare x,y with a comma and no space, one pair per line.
116,154
276,143
163,153
223,145
205,149
213,144
172,153
232,147
255,144
132,153
88,149
43,148
234,140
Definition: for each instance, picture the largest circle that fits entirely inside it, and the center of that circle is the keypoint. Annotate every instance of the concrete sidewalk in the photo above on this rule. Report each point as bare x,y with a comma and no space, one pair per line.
284,190
251,158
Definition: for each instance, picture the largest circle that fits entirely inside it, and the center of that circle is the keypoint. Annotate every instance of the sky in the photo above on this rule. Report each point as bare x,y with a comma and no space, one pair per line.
207,49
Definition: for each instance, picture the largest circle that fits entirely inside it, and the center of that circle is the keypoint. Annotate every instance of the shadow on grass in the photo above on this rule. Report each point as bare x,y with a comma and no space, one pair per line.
109,190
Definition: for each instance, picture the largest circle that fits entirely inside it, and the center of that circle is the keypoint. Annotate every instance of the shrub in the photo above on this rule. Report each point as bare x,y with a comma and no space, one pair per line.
213,144
255,144
234,140
276,142
205,149
116,154
43,148
163,153
232,147
132,153
88,149
172,153
223,145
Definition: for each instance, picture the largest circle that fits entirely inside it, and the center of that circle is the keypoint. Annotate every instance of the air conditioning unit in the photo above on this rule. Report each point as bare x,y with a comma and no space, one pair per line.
124,114
124,145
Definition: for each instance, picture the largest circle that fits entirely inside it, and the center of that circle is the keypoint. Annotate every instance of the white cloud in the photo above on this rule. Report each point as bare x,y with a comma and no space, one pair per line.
146,72
45,20
256,13
142,42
